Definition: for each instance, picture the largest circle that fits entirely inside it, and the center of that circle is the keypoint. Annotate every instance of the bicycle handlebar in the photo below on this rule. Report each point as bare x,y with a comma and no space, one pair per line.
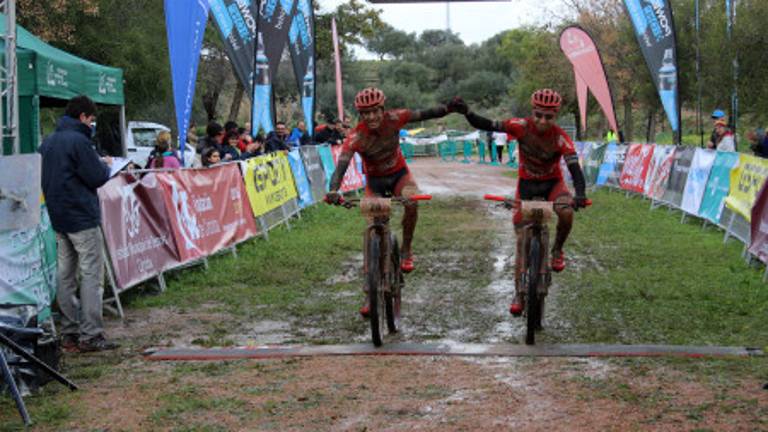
490,197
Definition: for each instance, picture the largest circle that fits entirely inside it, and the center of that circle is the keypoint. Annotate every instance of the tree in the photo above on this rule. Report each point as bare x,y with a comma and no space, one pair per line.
392,43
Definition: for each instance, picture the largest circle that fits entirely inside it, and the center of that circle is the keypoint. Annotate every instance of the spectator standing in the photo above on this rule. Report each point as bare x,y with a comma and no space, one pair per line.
717,114
164,156
192,135
211,157
500,139
724,140
758,142
244,139
214,137
71,173
228,150
277,140
489,142
299,136
254,148
331,134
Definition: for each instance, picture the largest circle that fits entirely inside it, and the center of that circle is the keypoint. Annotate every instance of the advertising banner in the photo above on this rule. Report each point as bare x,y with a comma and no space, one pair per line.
578,46
315,173
236,21
353,178
662,169
608,165
718,186
137,229
635,169
329,163
582,96
185,23
759,226
28,266
593,161
746,181
659,153
678,175
697,180
301,40
655,33
300,177
207,208
269,182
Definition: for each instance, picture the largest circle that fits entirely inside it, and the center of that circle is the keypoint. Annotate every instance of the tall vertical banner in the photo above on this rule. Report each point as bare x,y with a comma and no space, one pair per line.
337,62
275,20
578,46
718,185
697,180
302,46
185,22
582,93
236,21
655,32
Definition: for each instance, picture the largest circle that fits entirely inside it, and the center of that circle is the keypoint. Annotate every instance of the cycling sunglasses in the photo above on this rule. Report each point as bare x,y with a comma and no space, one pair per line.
546,116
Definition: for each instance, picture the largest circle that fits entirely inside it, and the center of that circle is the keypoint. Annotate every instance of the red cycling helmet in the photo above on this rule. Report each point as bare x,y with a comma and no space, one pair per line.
546,99
369,98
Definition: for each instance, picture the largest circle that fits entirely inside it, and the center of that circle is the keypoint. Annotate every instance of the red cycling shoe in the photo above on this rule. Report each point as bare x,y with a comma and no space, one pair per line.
516,309
365,311
407,265
558,261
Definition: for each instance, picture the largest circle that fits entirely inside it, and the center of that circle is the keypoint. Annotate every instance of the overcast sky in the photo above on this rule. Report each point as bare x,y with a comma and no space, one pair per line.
473,21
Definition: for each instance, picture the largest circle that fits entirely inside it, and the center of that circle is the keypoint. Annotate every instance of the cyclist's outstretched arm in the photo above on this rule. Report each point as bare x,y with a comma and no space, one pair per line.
479,122
429,113
341,168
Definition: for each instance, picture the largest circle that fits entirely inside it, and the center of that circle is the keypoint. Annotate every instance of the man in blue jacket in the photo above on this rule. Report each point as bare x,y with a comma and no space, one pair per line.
72,172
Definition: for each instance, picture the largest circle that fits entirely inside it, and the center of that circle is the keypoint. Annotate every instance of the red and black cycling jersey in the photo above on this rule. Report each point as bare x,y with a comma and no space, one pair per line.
539,152
380,148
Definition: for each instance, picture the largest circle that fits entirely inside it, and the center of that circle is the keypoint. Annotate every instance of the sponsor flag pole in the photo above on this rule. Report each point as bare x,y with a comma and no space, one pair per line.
699,122
185,23
730,10
339,94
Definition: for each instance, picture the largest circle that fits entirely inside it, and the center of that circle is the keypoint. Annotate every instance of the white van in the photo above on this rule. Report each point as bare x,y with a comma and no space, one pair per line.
140,138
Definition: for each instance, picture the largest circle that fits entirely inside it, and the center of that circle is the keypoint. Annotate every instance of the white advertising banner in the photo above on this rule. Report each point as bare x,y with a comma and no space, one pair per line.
697,180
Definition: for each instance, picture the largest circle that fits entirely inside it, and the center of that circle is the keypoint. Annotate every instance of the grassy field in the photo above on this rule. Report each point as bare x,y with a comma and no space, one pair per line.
634,276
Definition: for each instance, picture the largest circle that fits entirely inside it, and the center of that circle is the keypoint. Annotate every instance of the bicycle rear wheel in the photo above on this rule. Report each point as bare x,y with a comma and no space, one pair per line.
392,297
533,312
375,295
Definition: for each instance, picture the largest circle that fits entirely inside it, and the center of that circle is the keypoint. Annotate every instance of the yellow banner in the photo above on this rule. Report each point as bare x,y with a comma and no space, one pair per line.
746,180
269,182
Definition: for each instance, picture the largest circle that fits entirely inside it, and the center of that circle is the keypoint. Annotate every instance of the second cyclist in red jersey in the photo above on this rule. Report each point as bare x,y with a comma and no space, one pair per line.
542,143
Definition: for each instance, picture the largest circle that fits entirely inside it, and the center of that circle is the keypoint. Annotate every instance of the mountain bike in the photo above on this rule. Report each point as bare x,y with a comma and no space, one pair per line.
384,280
536,275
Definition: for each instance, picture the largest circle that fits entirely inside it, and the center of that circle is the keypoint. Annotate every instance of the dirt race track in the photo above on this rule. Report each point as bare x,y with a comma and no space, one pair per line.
429,393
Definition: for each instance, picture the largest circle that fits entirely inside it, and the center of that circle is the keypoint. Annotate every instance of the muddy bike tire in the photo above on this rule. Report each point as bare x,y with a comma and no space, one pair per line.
533,312
373,280
392,298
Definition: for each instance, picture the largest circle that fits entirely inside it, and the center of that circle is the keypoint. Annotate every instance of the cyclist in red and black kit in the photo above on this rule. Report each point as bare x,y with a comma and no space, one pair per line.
377,139
541,145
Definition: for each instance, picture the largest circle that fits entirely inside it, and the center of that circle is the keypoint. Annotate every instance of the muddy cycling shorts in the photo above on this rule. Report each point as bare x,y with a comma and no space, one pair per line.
549,190
391,185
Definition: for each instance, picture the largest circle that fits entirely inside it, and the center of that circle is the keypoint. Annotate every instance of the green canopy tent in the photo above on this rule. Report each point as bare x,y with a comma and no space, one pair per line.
48,76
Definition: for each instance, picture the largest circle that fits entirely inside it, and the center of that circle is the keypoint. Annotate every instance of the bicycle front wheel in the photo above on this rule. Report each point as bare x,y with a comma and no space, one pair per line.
532,309
392,297
373,281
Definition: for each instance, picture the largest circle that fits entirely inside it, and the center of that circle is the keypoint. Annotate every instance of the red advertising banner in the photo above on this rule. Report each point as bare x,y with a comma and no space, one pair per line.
578,46
208,209
635,168
136,228
759,238
661,177
582,93
353,179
